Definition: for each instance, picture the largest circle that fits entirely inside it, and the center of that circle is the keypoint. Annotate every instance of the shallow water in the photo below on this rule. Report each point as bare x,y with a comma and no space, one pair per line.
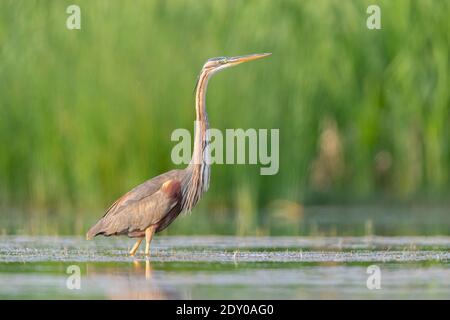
226,268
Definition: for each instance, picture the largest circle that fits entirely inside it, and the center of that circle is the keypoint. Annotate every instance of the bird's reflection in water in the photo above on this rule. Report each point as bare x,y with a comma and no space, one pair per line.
148,268
130,283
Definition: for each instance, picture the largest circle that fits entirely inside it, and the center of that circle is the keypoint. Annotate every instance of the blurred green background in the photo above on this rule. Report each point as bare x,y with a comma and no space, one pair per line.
363,114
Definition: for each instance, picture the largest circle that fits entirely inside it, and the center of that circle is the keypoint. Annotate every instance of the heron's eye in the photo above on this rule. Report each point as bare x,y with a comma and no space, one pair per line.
223,61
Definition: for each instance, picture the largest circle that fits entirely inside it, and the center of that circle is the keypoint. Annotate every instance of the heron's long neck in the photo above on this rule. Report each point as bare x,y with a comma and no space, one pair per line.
198,169
201,121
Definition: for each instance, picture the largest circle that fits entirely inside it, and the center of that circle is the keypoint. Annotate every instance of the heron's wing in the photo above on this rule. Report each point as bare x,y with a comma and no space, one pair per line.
137,215
142,191
144,205
148,211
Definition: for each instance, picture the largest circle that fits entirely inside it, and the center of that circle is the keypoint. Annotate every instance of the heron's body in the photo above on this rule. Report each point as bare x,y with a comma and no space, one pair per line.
154,204
147,204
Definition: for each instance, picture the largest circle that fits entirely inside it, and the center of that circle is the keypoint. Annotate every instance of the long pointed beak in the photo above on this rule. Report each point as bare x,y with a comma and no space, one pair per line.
250,57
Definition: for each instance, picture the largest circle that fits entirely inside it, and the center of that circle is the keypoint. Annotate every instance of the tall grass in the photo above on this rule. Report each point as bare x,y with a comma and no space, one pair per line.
86,115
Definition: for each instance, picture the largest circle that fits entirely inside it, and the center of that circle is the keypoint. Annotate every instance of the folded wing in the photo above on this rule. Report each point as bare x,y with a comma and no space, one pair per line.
145,205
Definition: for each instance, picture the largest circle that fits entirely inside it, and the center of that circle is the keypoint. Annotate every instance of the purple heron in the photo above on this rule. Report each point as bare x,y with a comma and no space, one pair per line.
154,204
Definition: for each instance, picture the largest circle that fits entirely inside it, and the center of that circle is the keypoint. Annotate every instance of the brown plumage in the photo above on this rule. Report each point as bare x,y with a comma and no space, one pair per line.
154,204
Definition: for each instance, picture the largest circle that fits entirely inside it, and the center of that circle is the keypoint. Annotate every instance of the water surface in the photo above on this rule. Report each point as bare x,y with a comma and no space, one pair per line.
226,267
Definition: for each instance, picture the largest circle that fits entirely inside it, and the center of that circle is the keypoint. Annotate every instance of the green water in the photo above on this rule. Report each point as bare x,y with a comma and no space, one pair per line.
211,267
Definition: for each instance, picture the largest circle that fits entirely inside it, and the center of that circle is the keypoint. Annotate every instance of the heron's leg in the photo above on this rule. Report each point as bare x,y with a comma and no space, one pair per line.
148,238
136,246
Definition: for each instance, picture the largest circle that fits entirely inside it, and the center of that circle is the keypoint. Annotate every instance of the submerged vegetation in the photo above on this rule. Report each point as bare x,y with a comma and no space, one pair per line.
86,115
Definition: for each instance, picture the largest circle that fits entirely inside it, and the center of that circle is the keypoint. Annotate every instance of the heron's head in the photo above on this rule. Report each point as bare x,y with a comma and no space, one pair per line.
220,63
